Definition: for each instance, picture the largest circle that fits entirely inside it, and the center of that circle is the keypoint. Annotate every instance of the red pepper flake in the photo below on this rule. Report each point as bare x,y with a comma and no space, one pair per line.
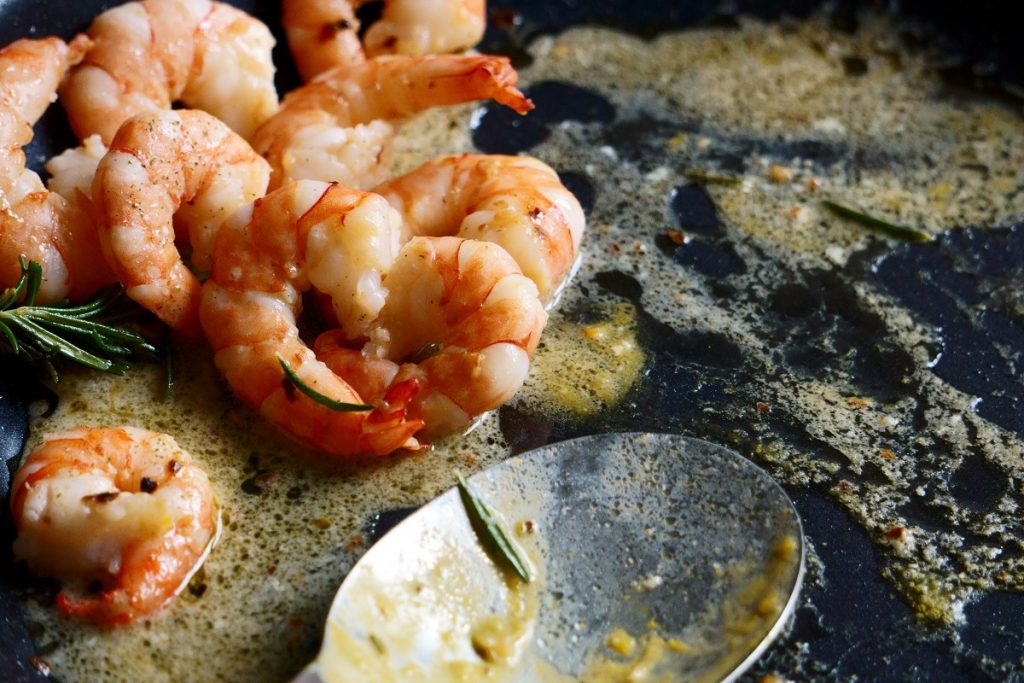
614,248
896,533
763,408
677,236
887,454
354,542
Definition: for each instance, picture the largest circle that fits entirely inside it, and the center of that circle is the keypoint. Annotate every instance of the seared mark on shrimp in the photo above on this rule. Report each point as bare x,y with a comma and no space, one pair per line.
53,229
340,126
305,235
516,202
323,34
125,507
460,319
165,168
149,54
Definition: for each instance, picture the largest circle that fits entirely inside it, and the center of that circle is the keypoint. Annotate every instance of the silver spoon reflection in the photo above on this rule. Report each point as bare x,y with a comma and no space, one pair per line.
653,557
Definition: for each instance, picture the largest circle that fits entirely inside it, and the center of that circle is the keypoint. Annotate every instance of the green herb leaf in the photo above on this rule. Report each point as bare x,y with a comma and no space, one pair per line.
901,232
706,178
323,400
492,536
40,334
424,352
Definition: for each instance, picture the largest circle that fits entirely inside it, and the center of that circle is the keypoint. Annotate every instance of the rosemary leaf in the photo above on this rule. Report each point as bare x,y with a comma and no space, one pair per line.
9,338
492,536
40,334
323,400
901,232
706,178
426,351
35,281
53,344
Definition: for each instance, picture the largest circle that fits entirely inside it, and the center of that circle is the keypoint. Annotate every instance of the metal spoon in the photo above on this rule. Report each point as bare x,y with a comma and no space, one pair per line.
650,553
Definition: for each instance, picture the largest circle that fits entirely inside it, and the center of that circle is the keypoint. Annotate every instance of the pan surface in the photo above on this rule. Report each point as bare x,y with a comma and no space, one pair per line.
879,382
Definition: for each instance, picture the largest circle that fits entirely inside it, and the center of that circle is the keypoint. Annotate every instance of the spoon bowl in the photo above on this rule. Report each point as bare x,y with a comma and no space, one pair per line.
650,553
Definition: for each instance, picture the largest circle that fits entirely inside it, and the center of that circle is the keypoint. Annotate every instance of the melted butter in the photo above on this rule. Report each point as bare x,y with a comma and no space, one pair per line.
581,368
429,606
740,623
293,526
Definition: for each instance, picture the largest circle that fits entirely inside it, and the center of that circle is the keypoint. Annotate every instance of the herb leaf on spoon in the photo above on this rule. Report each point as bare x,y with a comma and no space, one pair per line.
495,540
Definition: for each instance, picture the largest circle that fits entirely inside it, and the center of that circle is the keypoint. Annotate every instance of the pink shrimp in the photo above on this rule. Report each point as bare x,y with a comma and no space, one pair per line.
340,127
460,319
148,54
165,168
307,234
516,202
323,34
55,231
126,507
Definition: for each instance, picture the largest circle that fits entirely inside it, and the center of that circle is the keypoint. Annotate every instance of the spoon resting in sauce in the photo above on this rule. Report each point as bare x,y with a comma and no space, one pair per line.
652,557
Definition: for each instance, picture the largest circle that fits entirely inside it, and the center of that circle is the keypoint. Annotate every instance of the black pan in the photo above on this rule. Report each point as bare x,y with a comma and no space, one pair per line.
851,621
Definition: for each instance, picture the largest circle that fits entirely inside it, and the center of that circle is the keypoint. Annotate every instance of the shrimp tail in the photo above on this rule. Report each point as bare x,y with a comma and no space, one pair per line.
499,79
387,429
103,610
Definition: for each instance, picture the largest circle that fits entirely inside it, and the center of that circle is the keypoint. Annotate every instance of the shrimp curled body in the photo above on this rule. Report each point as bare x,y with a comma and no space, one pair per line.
304,235
148,54
460,319
168,168
465,299
339,128
126,507
323,34
55,230
518,203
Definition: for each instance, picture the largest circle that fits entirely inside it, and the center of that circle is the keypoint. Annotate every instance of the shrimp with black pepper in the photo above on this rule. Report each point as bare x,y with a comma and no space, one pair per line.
124,507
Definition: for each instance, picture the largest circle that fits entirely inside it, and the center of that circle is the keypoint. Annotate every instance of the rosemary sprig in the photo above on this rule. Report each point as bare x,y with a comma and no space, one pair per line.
901,232
493,537
340,406
41,334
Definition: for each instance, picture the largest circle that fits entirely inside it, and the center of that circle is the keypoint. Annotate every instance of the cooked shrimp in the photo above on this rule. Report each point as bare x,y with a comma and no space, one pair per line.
126,507
422,27
148,54
460,319
340,127
323,34
305,235
53,229
165,168
516,202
